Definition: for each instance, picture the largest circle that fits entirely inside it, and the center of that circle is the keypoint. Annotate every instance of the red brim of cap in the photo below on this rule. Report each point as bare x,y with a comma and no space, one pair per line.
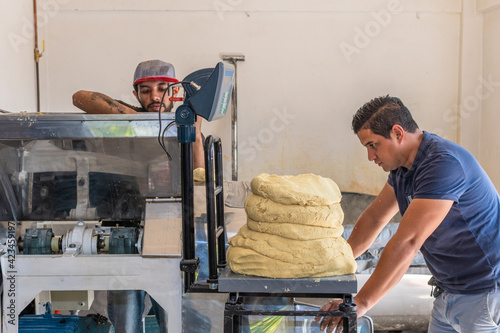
156,78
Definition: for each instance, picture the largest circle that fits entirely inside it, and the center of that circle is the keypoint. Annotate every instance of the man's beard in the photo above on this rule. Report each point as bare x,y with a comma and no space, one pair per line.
162,109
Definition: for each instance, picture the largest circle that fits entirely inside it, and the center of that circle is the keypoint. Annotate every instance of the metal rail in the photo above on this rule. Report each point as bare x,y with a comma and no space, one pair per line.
216,233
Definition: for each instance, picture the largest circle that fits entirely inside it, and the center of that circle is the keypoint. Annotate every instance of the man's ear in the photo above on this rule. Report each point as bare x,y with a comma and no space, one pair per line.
175,91
136,94
399,132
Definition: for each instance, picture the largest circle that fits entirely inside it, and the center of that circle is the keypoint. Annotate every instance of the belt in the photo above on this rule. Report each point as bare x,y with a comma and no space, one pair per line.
435,291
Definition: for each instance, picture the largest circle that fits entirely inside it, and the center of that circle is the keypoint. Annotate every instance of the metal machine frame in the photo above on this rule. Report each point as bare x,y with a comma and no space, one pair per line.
36,273
26,275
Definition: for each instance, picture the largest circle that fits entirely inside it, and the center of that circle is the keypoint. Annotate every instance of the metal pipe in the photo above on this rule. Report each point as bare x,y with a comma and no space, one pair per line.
188,239
37,57
233,59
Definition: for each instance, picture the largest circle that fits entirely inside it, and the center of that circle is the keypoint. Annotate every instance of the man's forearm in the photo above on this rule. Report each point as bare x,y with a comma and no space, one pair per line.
420,220
94,102
364,233
373,220
393,264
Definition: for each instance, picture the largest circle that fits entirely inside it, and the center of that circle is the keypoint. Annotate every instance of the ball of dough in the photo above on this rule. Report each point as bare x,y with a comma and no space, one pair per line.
316,252
305,189
199,175
265,210
276,257
248,262
295,231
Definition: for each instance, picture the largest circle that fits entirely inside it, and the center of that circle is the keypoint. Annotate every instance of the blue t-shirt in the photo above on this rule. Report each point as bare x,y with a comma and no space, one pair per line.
463,253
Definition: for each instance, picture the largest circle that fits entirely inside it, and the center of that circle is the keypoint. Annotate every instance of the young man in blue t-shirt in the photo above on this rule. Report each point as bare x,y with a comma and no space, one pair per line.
451,212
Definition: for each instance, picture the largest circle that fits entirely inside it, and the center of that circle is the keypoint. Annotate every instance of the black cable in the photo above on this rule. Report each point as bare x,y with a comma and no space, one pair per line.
162,143
161,134
160,139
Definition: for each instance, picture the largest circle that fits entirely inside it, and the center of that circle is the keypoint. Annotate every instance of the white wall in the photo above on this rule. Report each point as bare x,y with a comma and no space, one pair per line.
490,140
17,65
309,66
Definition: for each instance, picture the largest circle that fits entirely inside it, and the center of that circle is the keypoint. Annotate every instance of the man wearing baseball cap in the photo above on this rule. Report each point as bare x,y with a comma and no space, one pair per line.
151,80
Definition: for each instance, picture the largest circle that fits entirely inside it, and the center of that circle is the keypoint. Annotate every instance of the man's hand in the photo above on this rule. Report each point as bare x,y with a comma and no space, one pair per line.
330,322
336,322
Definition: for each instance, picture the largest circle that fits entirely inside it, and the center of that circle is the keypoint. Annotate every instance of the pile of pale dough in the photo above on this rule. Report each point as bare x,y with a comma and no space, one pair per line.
293,230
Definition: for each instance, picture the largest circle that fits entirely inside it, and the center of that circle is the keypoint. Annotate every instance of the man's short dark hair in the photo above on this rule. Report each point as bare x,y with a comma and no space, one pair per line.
380,114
